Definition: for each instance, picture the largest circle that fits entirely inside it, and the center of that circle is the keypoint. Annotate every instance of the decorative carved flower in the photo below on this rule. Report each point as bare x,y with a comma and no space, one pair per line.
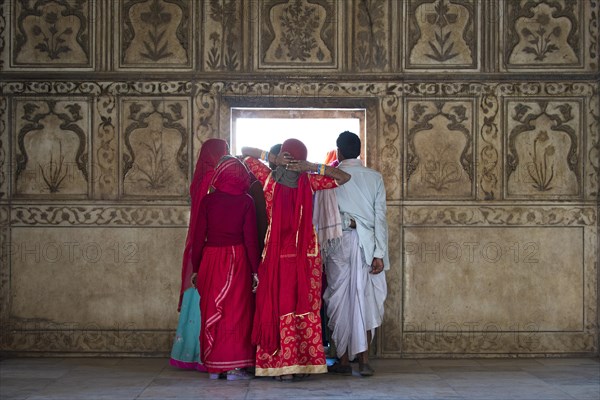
51,18
542,136
543,19
156,16
520,110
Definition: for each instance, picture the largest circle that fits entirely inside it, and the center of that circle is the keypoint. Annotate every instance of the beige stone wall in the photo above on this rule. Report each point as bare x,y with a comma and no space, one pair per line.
483,117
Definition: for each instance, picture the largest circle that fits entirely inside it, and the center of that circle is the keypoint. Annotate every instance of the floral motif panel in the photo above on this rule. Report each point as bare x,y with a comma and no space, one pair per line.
371,50
298,34
543,148
154,147
52,34
155,34
442,34
51,148
439,149
223,35
548,34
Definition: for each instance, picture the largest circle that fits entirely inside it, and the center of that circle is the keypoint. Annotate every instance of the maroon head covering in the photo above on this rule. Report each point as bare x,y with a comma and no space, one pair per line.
296,148
231,176
211,152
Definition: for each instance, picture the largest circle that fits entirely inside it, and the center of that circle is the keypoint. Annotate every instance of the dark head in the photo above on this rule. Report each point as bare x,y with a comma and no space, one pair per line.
348,145
275,149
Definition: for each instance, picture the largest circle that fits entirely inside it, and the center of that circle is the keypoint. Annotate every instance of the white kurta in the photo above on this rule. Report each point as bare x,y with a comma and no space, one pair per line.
354,297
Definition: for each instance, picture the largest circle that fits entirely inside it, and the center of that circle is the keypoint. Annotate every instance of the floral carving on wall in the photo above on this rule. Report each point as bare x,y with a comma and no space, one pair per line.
51,151
439,155
442,33
223,49
52,32
298,32
2,33
3,146
155,159
543,33
371,35
543,148
155,33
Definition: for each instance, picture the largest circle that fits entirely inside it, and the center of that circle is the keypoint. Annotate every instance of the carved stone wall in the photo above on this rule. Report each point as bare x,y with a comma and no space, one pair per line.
481,115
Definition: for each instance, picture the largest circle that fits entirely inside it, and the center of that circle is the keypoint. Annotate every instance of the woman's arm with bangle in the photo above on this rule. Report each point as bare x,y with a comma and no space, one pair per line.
339,175
265,155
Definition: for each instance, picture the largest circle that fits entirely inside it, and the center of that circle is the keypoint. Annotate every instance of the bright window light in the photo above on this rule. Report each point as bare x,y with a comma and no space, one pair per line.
266,128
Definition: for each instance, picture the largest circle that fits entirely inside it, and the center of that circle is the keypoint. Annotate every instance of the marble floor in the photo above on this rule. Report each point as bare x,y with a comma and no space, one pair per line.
152,378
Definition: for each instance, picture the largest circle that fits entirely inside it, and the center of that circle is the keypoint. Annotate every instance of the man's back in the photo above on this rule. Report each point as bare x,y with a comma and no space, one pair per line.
359,195
362,199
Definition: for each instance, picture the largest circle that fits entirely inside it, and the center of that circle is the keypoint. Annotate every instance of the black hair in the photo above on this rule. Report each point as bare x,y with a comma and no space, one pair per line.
348,144
275,149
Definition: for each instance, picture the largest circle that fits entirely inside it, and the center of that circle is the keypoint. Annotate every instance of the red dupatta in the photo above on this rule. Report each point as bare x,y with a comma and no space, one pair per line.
211,152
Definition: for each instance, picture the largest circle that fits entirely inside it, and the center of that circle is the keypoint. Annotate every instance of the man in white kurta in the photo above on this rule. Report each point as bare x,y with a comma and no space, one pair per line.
356,286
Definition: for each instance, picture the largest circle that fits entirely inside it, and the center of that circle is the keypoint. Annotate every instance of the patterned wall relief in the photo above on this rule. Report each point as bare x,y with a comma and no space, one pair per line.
439,149
371,49
547,33
156,34
155,147
105,147
543,148
390,144
4,153
593,153
222,43
298,34
442,34
5,262
51,147
57,33
489,153
3,13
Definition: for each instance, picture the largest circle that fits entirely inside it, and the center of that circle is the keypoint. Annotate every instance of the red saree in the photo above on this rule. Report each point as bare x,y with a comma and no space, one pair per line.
287,323
225,258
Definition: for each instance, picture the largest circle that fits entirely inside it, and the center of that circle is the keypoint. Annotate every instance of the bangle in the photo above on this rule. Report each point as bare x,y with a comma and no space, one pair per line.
266,157
322,169
317,166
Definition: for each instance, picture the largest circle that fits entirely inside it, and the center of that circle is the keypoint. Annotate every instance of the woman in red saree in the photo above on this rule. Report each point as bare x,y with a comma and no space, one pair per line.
225,258
287,324
185,353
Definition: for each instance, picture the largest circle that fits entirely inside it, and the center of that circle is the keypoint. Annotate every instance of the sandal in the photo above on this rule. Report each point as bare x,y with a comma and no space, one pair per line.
365,370
215,376
299,377
338,368
238,374
284,378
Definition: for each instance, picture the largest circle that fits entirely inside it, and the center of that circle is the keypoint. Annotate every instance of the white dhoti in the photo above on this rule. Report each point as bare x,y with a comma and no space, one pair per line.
354,298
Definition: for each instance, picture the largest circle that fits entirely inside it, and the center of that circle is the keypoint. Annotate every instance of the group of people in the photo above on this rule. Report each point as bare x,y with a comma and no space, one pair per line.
263,228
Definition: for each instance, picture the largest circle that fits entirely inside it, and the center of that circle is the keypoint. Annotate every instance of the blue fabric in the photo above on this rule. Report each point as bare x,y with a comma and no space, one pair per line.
186,347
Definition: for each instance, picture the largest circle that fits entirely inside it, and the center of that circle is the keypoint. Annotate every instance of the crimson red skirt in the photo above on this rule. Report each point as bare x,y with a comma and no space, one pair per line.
227,305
